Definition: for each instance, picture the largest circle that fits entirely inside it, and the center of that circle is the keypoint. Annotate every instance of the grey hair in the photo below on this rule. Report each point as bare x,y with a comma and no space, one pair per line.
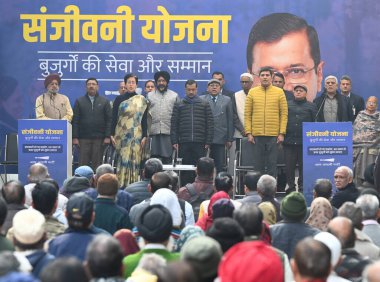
369,205
103,169
267,185
151,262
348,170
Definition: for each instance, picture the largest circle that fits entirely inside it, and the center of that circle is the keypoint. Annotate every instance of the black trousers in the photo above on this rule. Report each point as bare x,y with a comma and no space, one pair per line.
218,153
293,157
190,152
265,155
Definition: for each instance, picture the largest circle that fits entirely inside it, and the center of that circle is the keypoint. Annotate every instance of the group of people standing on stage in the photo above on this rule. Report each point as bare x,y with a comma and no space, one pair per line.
155,124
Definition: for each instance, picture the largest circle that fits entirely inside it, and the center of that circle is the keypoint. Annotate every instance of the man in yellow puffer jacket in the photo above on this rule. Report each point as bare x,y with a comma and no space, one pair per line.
265,120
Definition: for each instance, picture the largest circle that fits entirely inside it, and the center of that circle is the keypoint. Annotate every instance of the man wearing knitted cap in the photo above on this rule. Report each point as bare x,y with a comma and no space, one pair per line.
155,225
28,238
162,102
52,105
287,233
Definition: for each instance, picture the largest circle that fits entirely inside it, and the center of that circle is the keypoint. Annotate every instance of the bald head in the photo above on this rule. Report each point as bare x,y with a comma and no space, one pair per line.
342,228
37,172
372,272
13,192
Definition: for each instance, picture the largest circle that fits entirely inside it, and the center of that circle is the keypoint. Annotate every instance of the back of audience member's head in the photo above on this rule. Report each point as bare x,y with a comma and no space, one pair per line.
205,167
188,233
159,180
343,229
63,270
312,260
104,257
174,179
85,171
127,241
293,207
222,208
108,185
369,205
8,263
45,196
151,262
203,254
80,211
37,173
323,188
223,182
251,179
3,211
151,229
371,272
28,230
227,232
178,271
250,218
152,166
13,192
269,212
370,191
267,185
103,169
353,212
169,200
251,261
333,244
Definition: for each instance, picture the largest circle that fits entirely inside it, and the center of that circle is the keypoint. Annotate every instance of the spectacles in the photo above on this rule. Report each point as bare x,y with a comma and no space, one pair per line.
244,82
293,74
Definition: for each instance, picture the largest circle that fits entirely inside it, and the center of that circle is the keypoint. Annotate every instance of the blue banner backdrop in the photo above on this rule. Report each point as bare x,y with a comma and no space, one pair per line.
326,146
190,39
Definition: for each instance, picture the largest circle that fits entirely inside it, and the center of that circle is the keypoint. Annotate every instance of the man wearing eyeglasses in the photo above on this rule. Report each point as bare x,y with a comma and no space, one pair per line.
265,120
286,44
331,106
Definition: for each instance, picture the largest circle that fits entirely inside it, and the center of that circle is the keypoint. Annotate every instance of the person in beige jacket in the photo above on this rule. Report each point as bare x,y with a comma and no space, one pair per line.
52,105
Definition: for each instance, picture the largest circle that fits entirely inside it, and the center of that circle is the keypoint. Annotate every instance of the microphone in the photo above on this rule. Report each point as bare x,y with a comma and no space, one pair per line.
320,108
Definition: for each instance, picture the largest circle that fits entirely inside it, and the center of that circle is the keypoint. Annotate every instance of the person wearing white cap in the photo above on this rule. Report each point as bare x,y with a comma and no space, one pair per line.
29,237
335,247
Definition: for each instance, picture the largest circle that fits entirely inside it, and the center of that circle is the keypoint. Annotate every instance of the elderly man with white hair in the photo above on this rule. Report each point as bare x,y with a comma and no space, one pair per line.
370,208
346,189
266,188
332,106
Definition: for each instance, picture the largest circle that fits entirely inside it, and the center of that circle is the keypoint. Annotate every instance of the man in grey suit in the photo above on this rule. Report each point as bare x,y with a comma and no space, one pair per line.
222,111
370,208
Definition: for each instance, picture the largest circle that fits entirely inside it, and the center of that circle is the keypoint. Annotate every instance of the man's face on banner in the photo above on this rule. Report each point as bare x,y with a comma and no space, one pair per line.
290,56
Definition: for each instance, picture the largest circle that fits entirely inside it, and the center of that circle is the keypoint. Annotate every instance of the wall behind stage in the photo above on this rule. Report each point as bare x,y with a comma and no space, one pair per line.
106,39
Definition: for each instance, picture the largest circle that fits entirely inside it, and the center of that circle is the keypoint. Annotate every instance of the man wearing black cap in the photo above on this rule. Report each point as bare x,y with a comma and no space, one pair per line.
52,105
299,110
162,102
80,216
154,225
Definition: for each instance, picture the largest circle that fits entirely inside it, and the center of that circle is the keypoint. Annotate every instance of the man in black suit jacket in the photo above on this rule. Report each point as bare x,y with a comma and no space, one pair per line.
356,100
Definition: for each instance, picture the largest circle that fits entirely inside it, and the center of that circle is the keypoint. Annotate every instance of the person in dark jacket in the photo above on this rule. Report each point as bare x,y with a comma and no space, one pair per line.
357,101
332,106
299,111
192,128
91,125
346,189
